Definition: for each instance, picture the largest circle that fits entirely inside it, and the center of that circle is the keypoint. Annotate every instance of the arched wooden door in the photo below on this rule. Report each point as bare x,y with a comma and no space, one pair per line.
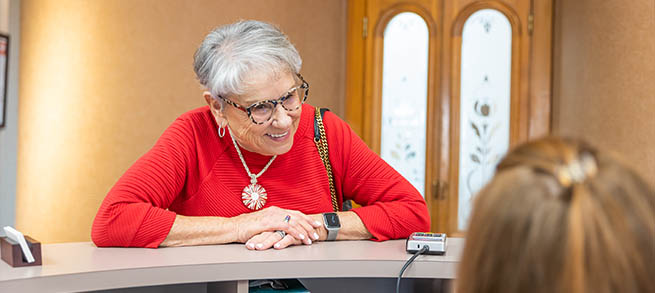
466,81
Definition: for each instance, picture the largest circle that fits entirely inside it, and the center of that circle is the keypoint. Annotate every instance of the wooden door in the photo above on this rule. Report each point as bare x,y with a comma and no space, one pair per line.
529,79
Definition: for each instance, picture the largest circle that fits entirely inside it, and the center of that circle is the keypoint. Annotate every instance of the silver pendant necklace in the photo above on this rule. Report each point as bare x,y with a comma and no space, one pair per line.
254,195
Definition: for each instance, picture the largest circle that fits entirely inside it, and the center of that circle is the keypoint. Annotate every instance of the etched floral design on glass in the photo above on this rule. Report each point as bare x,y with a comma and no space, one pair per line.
404,96
484,103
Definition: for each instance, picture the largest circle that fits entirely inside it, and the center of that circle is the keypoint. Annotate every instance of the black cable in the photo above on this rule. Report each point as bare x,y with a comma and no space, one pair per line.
409,261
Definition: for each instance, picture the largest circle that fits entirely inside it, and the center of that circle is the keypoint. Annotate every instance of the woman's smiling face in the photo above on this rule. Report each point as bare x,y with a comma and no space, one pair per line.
273,137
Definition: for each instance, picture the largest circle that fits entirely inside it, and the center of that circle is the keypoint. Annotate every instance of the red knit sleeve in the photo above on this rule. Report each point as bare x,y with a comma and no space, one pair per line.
134,212
391,207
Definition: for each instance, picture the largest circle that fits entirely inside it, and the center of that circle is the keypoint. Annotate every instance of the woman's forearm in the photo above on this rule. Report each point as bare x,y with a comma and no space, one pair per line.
218,230
201,230
352,227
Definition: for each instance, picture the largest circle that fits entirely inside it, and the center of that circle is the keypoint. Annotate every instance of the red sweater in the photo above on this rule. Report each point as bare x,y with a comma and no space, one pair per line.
191,171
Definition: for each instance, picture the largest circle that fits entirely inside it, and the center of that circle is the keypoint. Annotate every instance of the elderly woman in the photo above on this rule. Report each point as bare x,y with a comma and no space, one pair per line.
246,168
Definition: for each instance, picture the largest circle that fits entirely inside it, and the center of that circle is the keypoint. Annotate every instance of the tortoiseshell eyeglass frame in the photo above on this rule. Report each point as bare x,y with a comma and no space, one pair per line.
248,110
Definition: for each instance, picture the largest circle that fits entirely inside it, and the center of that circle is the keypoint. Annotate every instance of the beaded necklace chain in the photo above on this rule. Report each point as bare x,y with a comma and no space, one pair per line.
254,195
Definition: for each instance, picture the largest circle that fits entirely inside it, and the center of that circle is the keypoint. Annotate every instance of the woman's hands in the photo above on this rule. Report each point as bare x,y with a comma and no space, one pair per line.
266,240
257,229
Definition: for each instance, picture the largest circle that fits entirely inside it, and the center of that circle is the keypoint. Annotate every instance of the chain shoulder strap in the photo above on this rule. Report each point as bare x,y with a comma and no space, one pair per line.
320,140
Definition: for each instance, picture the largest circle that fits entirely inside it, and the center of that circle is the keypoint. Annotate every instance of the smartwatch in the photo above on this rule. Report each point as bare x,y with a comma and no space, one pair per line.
332,225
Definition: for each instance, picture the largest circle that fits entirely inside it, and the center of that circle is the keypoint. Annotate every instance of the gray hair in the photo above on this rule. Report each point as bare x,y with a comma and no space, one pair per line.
230,52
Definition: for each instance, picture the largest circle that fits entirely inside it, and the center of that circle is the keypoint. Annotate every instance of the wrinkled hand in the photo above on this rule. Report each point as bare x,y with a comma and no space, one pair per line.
300,226
266,240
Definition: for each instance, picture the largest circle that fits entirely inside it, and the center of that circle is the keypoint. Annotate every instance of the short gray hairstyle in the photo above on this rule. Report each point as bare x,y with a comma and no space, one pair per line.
230,52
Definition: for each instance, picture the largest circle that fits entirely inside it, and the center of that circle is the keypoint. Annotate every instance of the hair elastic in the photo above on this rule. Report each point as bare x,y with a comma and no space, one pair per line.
577,171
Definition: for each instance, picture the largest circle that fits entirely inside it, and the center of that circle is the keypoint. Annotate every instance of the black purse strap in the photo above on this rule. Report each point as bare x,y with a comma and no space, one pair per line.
320,139
317,130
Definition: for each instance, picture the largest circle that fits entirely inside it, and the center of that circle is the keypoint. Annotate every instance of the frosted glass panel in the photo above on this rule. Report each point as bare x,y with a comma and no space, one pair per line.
484,104
404,96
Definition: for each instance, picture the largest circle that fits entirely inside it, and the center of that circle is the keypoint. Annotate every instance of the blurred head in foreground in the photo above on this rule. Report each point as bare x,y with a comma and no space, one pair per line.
561,217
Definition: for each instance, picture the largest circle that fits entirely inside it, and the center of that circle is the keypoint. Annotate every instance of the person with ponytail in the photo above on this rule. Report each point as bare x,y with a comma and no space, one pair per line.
559,216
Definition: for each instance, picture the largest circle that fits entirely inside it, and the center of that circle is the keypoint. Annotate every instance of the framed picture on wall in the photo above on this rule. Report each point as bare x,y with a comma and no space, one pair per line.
4,61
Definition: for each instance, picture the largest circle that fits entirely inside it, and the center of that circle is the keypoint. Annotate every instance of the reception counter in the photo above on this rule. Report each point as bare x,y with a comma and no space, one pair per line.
322,267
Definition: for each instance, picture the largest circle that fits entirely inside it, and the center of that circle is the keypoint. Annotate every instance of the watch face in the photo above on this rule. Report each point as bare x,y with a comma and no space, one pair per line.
332,220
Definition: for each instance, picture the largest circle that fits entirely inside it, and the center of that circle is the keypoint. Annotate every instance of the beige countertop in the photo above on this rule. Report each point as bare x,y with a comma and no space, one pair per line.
83,266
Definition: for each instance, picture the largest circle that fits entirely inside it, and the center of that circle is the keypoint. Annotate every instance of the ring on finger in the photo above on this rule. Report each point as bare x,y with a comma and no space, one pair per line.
281,233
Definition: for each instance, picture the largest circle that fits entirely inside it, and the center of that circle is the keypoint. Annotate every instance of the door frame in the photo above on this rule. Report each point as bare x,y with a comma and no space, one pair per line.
531,91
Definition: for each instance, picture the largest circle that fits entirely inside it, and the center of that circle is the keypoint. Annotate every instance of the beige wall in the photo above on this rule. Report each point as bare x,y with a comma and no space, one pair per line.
604,76
101,80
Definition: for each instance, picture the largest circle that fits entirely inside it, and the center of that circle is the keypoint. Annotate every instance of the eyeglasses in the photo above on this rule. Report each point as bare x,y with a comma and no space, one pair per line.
261,112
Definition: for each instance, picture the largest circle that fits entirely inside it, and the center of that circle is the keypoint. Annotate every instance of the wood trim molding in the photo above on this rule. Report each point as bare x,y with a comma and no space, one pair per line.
541,70
355,54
